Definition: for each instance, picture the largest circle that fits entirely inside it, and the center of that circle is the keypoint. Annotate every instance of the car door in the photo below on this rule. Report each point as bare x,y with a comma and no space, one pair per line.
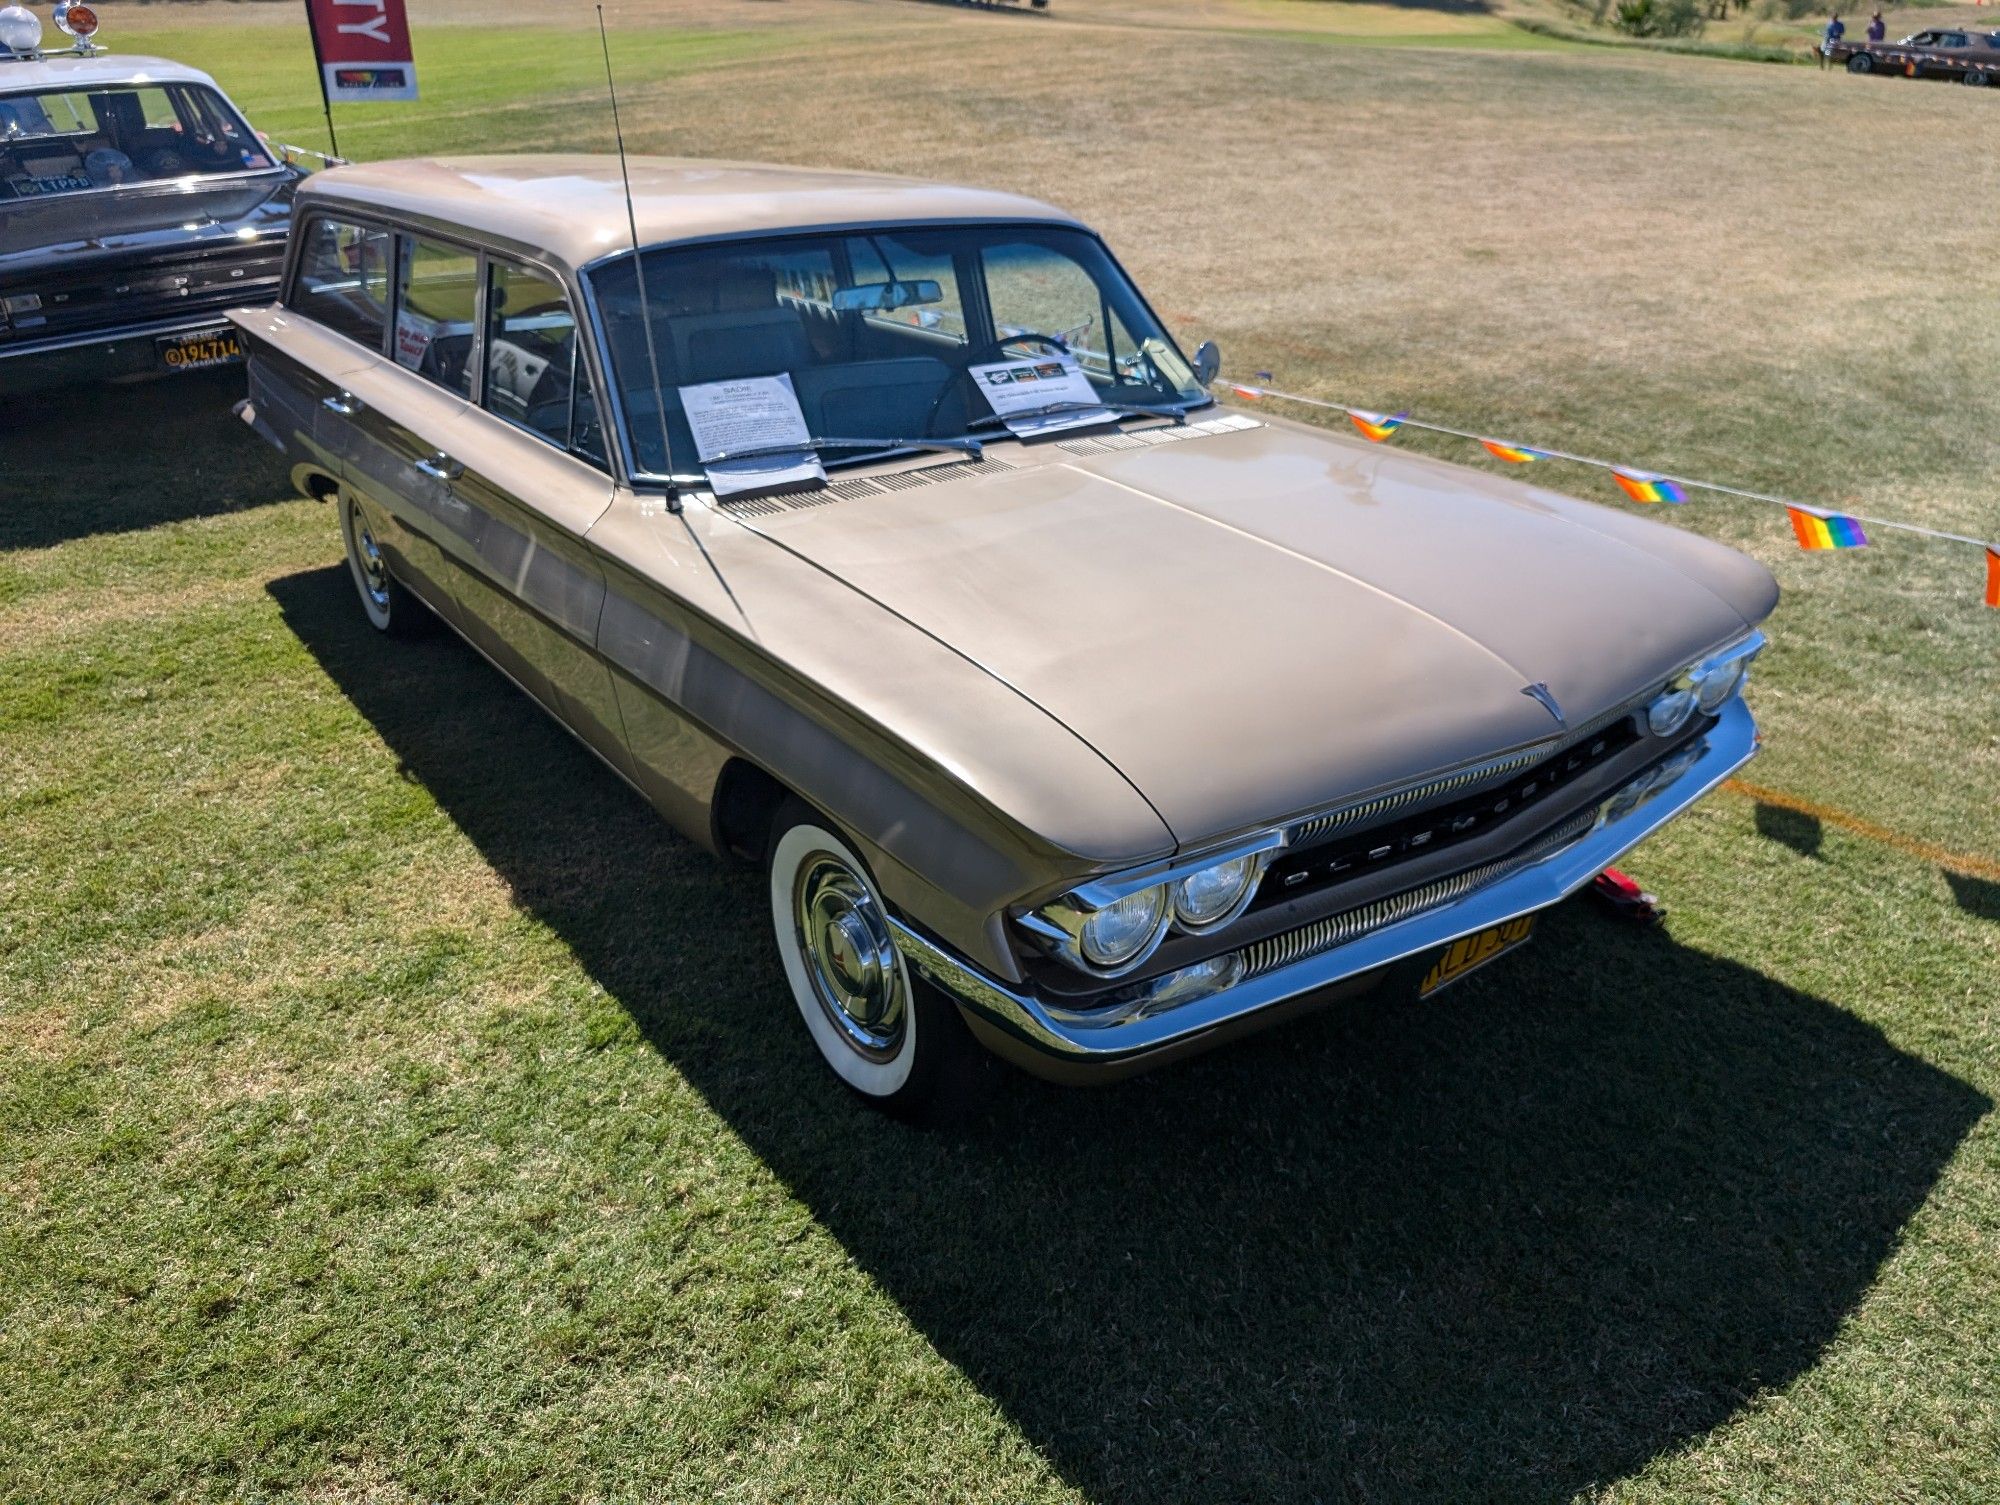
528,466
401,409
331,323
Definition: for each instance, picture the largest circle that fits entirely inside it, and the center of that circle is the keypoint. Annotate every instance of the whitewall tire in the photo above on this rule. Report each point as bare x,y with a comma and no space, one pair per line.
389,607
889,1037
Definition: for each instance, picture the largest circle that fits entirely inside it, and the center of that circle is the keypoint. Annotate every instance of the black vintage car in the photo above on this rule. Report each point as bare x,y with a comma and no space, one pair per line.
1971,57
136,204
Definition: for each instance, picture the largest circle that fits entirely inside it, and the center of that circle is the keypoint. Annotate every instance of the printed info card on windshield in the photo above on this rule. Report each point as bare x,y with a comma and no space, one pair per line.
751,435
1036,397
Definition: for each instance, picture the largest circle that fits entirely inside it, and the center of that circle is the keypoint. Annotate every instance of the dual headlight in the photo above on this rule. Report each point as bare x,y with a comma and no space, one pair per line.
1703,687
1110,927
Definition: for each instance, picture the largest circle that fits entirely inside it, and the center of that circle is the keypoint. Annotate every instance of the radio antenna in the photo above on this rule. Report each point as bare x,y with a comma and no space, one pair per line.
639,269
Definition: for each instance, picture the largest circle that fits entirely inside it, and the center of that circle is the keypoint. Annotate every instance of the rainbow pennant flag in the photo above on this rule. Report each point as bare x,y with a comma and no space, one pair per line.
1376,426
1242,391
1993,577
1825,530
1644,486
1513,454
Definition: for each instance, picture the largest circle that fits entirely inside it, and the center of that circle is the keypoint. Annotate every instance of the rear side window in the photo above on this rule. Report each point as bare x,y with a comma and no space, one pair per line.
437,303
535,376
343,280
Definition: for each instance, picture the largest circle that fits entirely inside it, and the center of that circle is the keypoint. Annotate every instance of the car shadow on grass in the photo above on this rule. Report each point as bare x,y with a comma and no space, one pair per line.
1510,1243
118,459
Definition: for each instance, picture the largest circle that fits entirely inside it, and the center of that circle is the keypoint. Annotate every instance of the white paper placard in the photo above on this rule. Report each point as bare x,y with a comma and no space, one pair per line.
753,412
1017,388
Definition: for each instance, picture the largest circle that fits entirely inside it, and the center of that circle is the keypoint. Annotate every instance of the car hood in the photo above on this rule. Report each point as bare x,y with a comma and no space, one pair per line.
1255,623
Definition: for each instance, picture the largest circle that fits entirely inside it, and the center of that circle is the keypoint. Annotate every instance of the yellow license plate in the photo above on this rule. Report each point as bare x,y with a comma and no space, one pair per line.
200,350
1472,952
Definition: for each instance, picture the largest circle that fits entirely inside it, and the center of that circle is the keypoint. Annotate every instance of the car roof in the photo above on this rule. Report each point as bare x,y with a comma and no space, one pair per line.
19,75
573,207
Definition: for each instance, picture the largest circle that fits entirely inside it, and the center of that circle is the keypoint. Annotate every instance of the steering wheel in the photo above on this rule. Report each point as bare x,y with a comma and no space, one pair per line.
997,349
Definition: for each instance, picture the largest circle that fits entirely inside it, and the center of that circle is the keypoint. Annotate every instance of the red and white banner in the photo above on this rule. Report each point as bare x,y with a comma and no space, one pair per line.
363,47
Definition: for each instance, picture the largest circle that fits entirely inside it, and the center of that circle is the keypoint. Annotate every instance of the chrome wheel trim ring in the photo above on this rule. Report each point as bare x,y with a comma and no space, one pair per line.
851,962
364,555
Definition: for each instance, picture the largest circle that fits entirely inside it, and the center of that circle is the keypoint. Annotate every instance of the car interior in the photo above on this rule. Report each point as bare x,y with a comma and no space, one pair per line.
65,141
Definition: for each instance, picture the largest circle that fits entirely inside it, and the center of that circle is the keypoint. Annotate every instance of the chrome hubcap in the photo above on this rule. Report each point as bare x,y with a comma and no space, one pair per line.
372,575
850,955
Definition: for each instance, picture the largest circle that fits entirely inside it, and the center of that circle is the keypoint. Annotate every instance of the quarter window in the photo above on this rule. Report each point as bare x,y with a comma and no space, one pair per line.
534,374
437,298
343,280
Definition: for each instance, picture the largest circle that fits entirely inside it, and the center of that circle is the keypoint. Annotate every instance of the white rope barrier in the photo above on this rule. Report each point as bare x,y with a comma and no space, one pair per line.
1542,452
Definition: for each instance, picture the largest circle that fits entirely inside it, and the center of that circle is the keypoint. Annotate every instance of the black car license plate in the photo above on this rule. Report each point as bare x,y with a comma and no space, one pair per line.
199,349
1469,953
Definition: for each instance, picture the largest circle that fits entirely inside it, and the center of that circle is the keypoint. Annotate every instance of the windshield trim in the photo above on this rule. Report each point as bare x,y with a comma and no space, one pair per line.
586,276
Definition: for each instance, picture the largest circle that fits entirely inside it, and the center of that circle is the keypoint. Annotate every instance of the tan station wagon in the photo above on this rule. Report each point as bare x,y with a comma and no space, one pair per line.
879,532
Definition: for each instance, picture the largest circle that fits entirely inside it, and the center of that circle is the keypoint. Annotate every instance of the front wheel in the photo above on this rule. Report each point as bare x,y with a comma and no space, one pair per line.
891,1038
1861,62
391,609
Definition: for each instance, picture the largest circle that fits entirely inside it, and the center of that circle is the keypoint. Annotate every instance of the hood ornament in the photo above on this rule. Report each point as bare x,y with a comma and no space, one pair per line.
1539,691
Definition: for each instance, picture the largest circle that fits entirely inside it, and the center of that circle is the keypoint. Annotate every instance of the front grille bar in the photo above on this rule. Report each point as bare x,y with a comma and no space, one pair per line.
1337,930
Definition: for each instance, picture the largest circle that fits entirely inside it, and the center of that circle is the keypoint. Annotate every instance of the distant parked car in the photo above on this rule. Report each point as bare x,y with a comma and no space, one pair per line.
136,204
1971,57
1064,709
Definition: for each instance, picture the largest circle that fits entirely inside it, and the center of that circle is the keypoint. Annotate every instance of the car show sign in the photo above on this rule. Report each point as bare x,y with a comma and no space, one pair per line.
363,49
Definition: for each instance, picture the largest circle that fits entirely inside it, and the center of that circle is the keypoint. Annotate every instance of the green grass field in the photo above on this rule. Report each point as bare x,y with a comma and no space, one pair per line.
392,1111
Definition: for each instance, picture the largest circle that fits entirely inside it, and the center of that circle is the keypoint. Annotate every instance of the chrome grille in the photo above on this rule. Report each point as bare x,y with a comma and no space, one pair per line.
1403,799
1337,930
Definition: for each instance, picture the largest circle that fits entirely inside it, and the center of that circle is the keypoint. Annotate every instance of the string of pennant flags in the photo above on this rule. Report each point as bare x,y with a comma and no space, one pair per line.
1814,527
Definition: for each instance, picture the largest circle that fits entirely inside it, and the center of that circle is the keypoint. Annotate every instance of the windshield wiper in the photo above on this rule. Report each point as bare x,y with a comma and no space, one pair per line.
968,445
1115,409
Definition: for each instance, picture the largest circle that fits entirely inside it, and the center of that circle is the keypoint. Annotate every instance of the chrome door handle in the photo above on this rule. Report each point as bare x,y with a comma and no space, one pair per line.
441,467
346,404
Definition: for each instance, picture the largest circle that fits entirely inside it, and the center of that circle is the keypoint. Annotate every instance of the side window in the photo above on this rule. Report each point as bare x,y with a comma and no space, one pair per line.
437,302
343,280
531,351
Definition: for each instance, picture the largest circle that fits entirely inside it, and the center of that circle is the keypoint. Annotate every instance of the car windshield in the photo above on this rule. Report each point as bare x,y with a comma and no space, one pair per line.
56,141
877,330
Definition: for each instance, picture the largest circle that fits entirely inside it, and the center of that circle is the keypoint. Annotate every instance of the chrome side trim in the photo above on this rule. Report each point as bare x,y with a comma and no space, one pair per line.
1170,1010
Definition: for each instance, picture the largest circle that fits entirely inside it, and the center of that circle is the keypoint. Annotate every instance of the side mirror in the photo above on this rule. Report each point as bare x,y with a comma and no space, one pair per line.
1207,362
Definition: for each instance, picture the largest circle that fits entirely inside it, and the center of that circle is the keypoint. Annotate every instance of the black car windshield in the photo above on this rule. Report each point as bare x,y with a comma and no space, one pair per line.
878,329
57,141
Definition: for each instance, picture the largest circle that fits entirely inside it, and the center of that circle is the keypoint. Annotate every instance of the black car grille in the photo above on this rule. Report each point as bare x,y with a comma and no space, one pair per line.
1348,855
89,296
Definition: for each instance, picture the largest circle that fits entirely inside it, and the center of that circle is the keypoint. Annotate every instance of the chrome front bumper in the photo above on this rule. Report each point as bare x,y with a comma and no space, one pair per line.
1174,1011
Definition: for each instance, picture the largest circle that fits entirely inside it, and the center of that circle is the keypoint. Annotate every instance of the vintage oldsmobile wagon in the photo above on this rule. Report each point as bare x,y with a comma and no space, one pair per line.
877,531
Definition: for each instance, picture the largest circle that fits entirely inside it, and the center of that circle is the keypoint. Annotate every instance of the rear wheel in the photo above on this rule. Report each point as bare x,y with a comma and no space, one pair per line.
1861,62
1975,79
890,1037
390,608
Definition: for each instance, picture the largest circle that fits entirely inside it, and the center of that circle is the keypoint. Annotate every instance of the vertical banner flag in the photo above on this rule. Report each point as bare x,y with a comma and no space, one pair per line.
363,48
1993,577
